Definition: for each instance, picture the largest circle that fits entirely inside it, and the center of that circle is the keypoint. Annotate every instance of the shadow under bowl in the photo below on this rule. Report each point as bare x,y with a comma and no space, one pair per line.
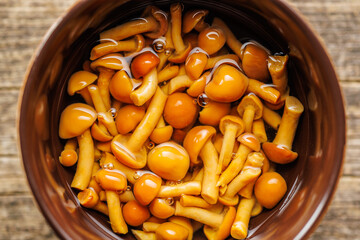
320,138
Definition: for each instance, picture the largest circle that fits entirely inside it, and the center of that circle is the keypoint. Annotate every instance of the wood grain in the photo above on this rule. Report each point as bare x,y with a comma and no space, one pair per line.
24,22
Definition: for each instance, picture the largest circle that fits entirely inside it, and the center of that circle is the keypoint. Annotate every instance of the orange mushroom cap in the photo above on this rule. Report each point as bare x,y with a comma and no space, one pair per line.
98,134
171,231
232,120
134,213
143,64
192,18
223,231
251,100
111,179
195,139
79,81
161,209
254,62
211,40
278,153
250,140
212,113
162,19
120,87
128,117
146,188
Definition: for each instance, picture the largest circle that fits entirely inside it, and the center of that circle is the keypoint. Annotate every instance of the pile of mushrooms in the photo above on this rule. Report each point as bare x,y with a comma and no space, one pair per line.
172,135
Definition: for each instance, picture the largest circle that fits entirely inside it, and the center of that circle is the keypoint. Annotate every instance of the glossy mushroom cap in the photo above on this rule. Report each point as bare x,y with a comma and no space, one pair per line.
278,153
223,231
121,86
230,119
169,160
250,140
134,213
111,179
143,64
99,134
160,208
195,64
75,119
195,139
128,117
227,85
171,231
146,188
251,100
211,40
161,18
213,112
79,81
192,18
254,62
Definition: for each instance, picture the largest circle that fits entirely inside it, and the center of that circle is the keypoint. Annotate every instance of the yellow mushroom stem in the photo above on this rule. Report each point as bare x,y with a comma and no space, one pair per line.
175,11
68,156
240,226
201,215
257,209
198,175
190,188
148,123
289,121
264,91
126,196
163,57
96,98
128,29
168,73
85,94
278,72
223,231
179,83
209,156
250,171
117,221
85,163
211,62
104,146
227,146
248,117
141,235
192,201
130,45
146,90
130,173
97,154
271,117
107,120
150,226
102,207
231,40
103,82
258,129
93,184
102,196
235,166
247,191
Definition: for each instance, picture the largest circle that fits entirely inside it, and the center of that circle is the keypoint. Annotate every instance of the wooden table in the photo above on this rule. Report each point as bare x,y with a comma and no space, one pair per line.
24,22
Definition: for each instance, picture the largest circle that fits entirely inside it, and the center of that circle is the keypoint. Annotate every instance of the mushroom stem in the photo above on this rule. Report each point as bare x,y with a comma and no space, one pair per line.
190,188
204,216
248,117
128,29
258,129
148,123
101,207
264,91
192,201
179,82
85,163
85,94
235,166
131,45
96,98
231,40
213,60
117,221
141,235
175,11
240,226
271,117
168,73
250,171
103,82
150,226
107,119
209,156
146,90
278,72
227,146
289,121
247,191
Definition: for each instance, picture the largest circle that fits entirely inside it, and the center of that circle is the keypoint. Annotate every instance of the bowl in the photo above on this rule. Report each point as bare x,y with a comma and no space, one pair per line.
320,138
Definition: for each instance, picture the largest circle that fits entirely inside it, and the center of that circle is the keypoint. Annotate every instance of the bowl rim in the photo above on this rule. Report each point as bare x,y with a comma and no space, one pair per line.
287,8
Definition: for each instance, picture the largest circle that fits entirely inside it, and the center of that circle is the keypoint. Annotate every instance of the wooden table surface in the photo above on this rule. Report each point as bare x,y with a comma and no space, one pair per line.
24,22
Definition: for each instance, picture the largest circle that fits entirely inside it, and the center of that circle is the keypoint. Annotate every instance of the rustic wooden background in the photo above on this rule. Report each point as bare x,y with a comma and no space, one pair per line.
24,22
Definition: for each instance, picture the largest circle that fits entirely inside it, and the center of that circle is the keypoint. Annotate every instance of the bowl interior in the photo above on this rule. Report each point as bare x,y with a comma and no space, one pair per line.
319,139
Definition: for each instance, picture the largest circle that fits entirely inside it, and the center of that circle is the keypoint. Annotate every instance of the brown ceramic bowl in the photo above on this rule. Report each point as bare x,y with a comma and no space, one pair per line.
320,139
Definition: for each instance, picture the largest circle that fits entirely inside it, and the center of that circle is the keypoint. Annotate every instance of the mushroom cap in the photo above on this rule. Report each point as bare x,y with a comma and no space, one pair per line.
251,100
230,119
79,81
88,198
111,179
211,39
75,119
169,160
218,141
163,134
68,157
254,62
162,19
126,156
278,153
192,18
112,61
134,213
146,188
293,106
198,86
98,134
143,63
213,113
128,117
180,57
195,139
171,231
195,64
227,85
185,222
161,209
120,87
223,231
140,42
250,140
